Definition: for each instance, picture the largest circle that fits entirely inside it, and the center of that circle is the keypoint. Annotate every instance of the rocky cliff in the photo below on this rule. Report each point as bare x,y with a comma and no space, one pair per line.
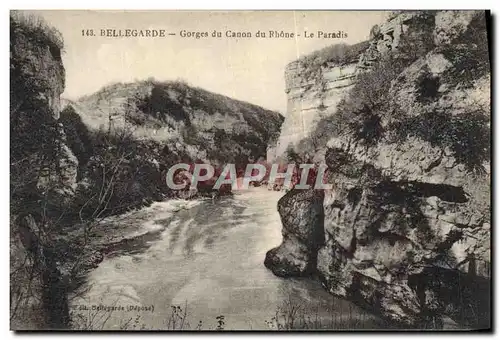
406,227
309,99
167,123
43,172
38,145
316,84
314,88
202,124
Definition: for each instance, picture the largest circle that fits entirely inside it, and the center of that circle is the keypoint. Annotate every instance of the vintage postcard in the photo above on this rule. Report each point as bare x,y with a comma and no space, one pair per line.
250,170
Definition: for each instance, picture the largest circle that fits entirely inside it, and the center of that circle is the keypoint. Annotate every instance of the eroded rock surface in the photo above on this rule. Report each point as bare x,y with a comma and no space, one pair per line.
316,84
302,217
407,223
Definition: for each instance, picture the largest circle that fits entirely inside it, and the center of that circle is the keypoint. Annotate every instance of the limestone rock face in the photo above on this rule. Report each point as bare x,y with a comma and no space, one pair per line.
37,81
60,176
302,217
407,223
35,53
311,97
433,166
42,168
314,89
450,25
388,236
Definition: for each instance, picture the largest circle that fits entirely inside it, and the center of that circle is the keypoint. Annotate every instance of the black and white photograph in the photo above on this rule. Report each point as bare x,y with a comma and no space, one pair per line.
257,170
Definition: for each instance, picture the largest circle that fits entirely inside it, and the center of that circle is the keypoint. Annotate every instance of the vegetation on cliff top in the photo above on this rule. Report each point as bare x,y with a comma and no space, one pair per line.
372,112
37,28
338,54
428,98
210,125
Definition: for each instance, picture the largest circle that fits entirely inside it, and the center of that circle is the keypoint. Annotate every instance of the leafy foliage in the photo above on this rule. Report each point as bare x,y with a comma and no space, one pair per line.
120,175
364,113
467,135
292,155
78,136
38,29
360,114
469,54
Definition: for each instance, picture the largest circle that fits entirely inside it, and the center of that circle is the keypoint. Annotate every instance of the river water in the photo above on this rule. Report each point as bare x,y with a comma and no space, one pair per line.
208,258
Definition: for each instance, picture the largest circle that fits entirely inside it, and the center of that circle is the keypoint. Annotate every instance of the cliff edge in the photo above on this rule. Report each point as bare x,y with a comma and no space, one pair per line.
406,227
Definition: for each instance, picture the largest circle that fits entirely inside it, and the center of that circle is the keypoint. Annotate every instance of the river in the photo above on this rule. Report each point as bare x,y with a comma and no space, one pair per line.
209,259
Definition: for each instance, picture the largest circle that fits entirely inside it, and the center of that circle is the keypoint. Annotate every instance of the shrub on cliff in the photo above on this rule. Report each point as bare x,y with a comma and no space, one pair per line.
38,29
77,135
292,155
417,41
370,100
360,114
337,54
467,135
120,175
372,111
469,54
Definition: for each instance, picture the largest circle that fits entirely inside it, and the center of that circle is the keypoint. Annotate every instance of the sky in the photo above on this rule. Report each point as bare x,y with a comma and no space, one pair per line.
249,69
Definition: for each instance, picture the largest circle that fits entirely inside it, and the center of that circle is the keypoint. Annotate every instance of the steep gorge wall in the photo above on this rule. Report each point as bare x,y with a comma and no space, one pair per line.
186,119
316,84
406,227
309,99
38,141
43,172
